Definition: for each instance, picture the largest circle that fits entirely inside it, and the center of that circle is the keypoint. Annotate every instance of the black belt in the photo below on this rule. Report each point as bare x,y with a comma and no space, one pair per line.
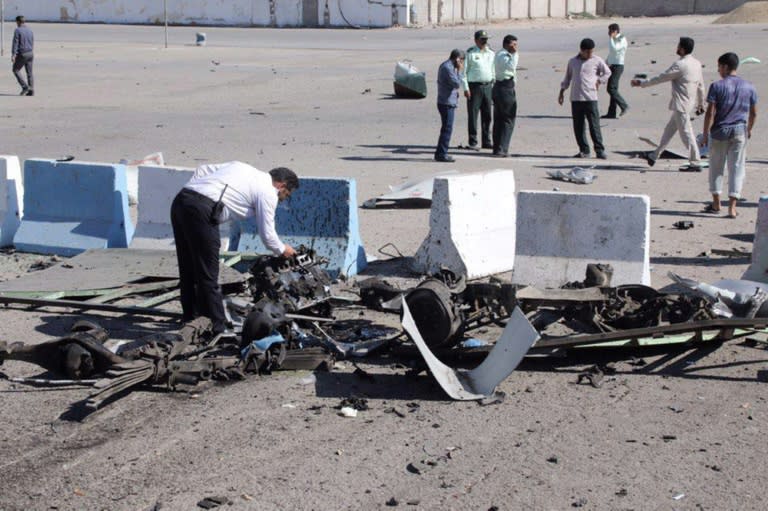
480,83
509,82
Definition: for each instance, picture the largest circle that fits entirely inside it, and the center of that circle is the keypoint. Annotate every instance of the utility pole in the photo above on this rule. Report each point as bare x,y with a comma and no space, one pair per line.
165,16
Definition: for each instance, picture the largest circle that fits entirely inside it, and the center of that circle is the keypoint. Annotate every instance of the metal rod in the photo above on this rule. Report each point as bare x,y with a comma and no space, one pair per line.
74,304
165,16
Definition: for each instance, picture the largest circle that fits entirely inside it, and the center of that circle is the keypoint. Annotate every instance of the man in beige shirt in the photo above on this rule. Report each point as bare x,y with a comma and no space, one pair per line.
687,97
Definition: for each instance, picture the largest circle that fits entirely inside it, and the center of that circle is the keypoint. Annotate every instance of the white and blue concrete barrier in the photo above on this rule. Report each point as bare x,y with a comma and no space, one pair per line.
322,215
157,186
70,207
11,198
758,270
559,233
471,225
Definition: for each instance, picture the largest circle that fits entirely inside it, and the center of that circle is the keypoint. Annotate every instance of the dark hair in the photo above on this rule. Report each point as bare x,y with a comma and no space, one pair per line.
686,43
20,19
729,60
286,176
587,44
508,39
456,54
614,27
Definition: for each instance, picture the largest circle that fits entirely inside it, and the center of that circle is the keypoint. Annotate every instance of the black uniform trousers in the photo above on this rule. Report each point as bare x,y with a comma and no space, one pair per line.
586,112
480,100
504,115
197,249
613,90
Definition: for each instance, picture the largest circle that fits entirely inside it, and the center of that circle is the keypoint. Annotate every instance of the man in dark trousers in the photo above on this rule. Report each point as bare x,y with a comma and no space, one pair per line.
478,87
617,49
448,84
215,194
584,75
21,56
504,97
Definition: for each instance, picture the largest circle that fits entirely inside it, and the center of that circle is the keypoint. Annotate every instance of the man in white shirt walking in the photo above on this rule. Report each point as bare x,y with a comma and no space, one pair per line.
617,49
215,194
687,97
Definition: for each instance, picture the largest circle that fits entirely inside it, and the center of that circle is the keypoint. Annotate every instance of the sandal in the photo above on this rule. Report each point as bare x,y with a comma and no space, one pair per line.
710,209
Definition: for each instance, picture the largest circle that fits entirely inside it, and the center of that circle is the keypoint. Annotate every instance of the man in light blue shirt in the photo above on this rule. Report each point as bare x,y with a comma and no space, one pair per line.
448,84
504,96
478,88
617,49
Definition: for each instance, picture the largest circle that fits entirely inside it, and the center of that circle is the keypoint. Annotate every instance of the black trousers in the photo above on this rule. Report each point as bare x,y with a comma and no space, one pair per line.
613,90
197,250
504,115
480,100
586,112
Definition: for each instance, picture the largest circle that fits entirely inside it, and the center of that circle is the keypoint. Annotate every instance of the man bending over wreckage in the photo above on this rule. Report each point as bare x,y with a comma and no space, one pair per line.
216,193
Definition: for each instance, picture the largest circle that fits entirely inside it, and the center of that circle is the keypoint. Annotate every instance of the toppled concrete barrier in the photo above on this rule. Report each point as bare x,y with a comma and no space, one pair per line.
471,225
558,234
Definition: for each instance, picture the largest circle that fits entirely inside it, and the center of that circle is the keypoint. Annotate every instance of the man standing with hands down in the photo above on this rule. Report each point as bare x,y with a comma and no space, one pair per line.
478,86
687,96
728,123
448,84
585,73
215,194
504,97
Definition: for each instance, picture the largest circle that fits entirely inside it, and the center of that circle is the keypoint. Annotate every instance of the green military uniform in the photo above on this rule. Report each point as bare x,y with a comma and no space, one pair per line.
478,80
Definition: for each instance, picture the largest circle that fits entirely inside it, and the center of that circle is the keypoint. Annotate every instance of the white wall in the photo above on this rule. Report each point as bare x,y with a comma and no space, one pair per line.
281,13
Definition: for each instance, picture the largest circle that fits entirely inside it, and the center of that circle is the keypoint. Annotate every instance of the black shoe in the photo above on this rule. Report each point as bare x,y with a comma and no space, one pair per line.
487,146
606,116
649,159
692,168
30,92
498,154
621,114
24,92
600,155
445,159
581,155
473,147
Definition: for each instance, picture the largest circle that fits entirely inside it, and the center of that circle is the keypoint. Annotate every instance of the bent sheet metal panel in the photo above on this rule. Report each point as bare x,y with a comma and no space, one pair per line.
517,338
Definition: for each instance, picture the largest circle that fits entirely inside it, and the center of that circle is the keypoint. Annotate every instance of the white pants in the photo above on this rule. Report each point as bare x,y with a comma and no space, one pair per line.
733,151
680,122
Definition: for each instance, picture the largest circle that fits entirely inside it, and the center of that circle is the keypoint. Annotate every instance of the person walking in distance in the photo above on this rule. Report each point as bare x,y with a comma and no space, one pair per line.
584,75
22,56
478,86
448,84
617,49
728,123
504,96
687,97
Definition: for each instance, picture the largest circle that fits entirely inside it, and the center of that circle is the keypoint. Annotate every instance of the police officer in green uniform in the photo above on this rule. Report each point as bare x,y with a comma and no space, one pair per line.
478,88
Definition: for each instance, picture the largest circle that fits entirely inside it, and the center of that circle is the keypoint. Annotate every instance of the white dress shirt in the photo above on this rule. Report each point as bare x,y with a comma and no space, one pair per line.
617,48
249,193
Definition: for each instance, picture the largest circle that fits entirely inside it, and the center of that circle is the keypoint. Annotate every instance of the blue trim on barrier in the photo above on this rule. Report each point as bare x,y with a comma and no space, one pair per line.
321,214
70,207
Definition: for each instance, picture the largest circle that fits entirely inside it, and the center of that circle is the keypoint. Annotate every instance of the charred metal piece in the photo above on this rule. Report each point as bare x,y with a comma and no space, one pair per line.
435,313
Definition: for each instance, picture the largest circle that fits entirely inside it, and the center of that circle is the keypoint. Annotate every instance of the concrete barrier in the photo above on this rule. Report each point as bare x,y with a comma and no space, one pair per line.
11,198
321,214
471,225
70,207
558,234
758,270
157,186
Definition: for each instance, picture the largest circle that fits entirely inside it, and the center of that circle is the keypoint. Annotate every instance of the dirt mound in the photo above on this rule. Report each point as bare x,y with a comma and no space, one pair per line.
750,12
